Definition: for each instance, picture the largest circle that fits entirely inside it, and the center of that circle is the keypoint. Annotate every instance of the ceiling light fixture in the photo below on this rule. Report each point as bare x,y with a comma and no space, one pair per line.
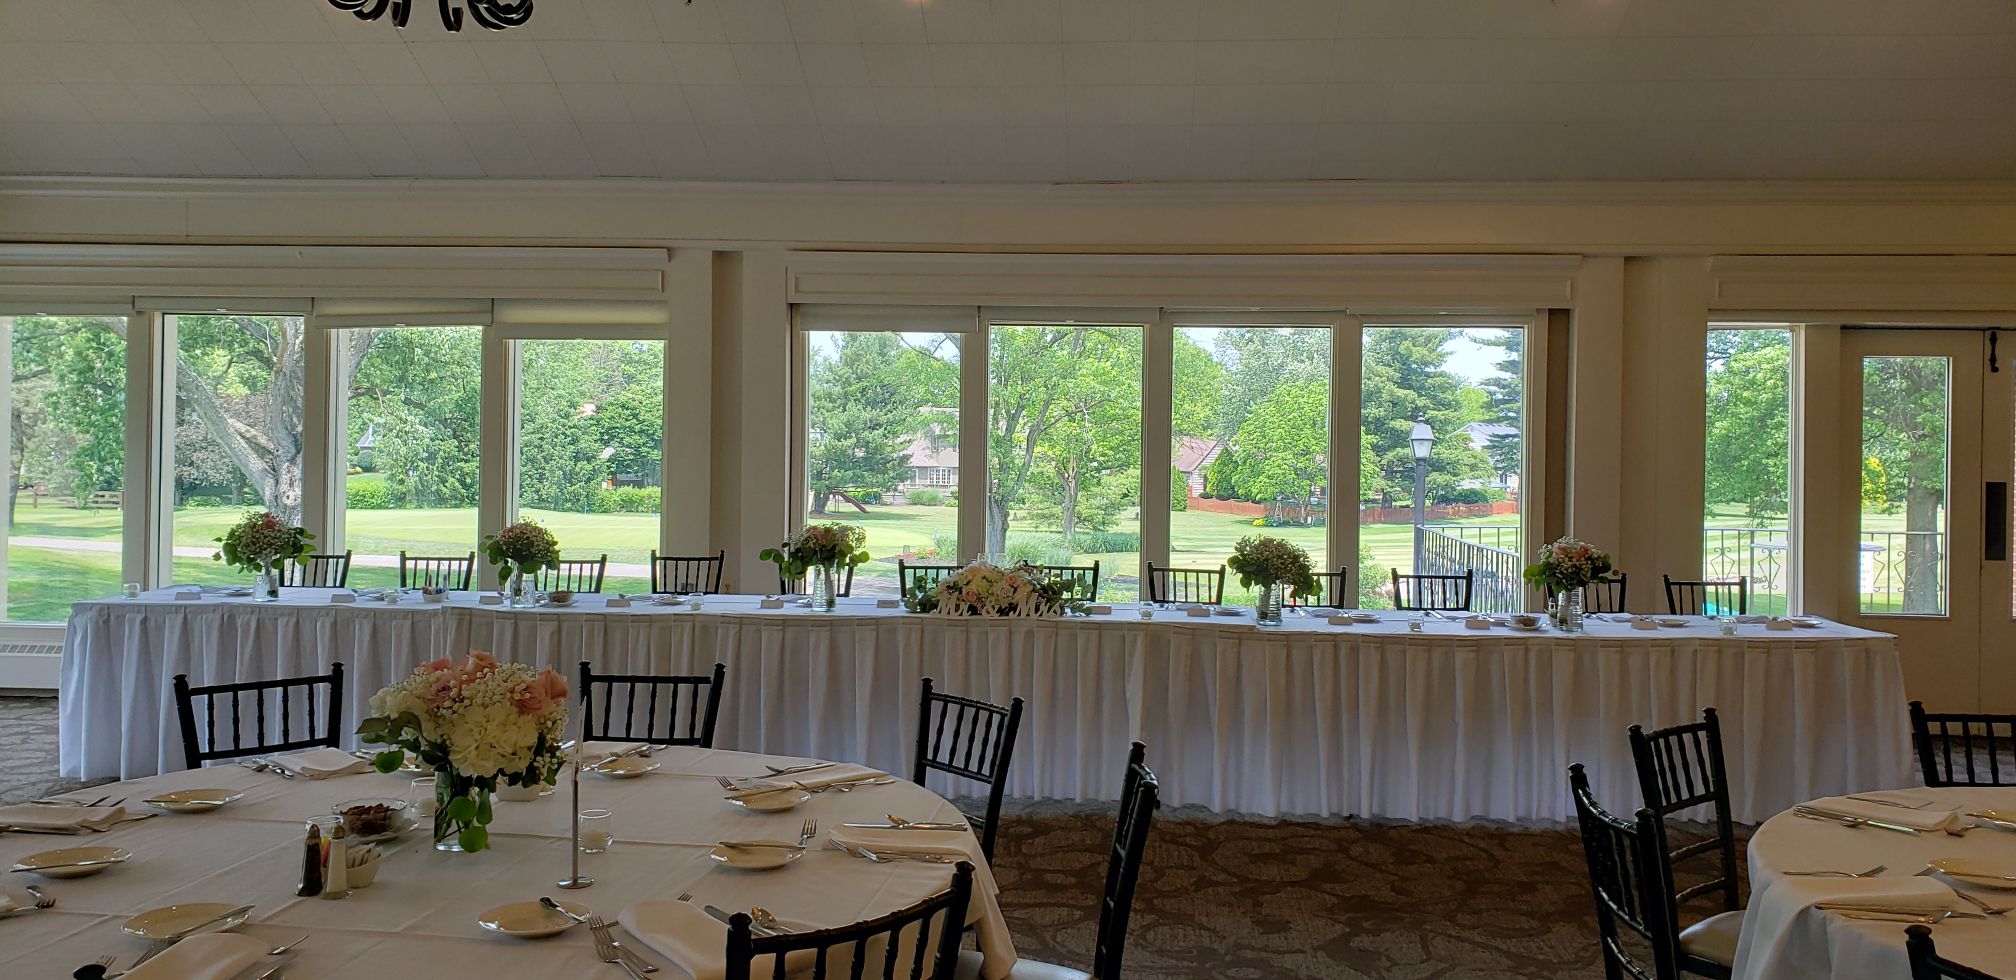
493,15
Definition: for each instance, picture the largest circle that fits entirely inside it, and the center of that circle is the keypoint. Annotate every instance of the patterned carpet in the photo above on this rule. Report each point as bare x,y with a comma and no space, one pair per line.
1220,898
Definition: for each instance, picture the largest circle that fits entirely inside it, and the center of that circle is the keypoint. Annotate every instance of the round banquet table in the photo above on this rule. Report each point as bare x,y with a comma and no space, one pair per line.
1783,939
419,917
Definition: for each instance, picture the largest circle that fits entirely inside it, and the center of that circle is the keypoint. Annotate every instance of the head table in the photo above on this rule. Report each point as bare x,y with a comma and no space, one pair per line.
1307,717
418,918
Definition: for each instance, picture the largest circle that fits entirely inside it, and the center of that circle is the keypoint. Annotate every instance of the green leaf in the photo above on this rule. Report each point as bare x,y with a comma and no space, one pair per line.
474,839
462,810
373,725
483,809
389,761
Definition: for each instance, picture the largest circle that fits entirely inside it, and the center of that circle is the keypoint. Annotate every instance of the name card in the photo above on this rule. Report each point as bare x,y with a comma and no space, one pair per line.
342,598
1477,623
1644,624
1778,624
888,603
1098,609
491,600
188,596
771,604
617,602
1197,612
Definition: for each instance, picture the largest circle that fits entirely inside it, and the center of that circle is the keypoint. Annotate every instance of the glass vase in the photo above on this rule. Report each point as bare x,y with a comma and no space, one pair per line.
1267,610
266,586
461,812
819,581
519,591
1568,614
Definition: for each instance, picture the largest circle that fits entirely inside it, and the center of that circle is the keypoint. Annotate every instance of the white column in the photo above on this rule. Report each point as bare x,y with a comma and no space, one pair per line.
1158,346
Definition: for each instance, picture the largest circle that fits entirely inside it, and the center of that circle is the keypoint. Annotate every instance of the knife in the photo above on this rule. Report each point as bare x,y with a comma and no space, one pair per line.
790,770
184,934
753,927
73,864
1854,821
908,826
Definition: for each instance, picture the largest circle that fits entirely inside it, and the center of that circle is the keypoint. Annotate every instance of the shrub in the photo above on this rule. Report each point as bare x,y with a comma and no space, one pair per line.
1105,542
926,498
367,495
944,544
1179,491
1470,495
634,500
1039,549
868,496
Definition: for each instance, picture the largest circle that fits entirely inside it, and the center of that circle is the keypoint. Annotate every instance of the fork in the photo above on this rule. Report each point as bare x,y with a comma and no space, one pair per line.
1986,909
1871,873
807,832
42,900
605,950
600,928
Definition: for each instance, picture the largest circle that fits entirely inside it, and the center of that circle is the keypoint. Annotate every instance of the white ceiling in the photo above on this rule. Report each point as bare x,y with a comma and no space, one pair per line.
1019,90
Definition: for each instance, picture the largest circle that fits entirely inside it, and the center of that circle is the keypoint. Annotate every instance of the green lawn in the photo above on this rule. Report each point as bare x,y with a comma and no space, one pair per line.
43,581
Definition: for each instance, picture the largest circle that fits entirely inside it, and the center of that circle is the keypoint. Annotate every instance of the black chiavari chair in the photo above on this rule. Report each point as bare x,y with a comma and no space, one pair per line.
681,575
1332,591
1708,597
1605,595
1205,585
1680,768
1082,581
910,577
317,572
972,740
573,575
843,588
1964,749
1628,876
1440,593
329,718
900,944
689,708
436,572
1927,964
1140,796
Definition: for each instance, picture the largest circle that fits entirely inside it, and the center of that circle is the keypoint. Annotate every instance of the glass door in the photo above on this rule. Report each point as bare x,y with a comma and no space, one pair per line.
1929,464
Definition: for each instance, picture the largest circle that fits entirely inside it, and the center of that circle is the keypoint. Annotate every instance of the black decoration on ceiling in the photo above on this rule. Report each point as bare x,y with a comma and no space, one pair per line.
493,15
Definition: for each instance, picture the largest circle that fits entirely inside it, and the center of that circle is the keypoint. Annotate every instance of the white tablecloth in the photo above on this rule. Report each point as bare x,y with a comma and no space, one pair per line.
1373,720
1829,947
418,919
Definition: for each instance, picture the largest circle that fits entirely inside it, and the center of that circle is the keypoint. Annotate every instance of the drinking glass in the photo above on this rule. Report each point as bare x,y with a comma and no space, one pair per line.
420,795
598,831
131,590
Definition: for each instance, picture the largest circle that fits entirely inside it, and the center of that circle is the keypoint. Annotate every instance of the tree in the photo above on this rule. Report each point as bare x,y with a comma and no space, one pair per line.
863,412
418,393
1904,431
1282,447
241,377
1064,418
1505,395
1405,379
1748,420
68,406
1257,360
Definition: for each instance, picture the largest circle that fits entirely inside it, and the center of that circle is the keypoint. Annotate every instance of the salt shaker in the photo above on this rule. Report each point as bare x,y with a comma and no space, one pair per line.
336,869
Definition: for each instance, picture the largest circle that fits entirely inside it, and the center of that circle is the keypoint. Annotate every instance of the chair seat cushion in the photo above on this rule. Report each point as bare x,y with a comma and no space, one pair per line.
969,969
1714,938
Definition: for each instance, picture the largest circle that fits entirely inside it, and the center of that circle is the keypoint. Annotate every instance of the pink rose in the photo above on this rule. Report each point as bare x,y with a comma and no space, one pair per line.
435,666
530,699
552,685
480,663
444,687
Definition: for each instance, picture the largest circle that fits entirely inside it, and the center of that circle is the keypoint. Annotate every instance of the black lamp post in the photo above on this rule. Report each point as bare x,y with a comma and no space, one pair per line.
1423,441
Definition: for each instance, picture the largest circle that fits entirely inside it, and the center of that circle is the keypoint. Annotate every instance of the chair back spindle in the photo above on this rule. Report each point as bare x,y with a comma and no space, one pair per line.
1680,768
1205,585
1438,593
1605,595
1332,591
911,576
581,575
802,584
452,572
1708,597
677,709
323,723
1081,582
675,574
972,740
918,943
1628,877
317,572
1964,749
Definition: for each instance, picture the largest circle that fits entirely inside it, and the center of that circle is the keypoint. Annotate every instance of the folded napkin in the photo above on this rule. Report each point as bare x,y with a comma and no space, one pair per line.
593,751
698,942
211,956
746,787
1934,817
1782,921
321,763
951,843
61,819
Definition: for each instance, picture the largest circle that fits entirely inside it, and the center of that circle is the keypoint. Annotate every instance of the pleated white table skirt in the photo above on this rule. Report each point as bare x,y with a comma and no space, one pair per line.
1306,719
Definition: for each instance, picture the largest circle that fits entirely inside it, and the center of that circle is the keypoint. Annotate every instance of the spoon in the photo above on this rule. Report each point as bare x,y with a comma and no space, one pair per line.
767,921
277,950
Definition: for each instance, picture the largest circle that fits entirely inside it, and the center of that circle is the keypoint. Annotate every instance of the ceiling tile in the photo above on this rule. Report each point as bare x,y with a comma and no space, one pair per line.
513,63
833,64
755,21
767,64
387,63
501,149
577,61
231,104
328,154
887,21
640,63
595,103
448,63
297,104
704,64
658,106
822,21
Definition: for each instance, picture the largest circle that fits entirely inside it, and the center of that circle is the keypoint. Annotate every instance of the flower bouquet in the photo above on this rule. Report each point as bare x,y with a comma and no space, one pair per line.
518,551
258,544
1274,565
815,553
473,723
1566,567
983,589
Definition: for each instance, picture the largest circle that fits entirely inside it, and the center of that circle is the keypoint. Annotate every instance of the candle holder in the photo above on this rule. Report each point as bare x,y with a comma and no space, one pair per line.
576,879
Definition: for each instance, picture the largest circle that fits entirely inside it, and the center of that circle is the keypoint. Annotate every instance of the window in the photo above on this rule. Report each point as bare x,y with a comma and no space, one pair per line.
237,438
67,456
1442,447
1746,529
591,424
412,397
882,410
1064,448
1251,430
1907,403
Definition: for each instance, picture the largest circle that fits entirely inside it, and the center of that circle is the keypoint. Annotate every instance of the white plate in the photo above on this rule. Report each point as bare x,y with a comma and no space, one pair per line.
193,800
1669,621
1973,872
182,921
530,920
1364,618
1228,611
756,858
776,801
628,767
1805,622
72,855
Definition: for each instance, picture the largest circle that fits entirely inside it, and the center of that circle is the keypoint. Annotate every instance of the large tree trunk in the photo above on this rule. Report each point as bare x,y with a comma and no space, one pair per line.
1921,549
1069,524
997,527
819,500
269,454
